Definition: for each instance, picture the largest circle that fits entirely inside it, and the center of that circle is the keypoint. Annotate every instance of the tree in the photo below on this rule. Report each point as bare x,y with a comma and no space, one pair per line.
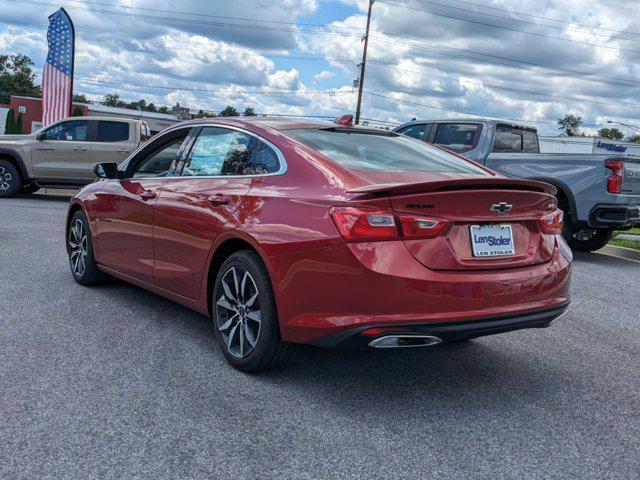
80,98
16,77
203,114
77,112
229,111
163,109
18,128
611,133
634,138
570,125
10,126
111,100
248,112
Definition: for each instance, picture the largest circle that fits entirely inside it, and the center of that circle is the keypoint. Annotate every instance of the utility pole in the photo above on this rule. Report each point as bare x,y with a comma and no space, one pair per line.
363,64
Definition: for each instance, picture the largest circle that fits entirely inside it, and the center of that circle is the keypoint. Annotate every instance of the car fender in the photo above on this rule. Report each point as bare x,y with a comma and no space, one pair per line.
225,235
18,159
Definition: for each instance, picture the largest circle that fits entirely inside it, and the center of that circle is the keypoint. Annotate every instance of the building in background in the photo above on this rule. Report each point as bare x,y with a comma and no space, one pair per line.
31,110
587,145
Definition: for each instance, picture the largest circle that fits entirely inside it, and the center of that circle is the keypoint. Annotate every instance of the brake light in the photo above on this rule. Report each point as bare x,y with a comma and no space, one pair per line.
421,227
614,182
358,225
552,222
362,225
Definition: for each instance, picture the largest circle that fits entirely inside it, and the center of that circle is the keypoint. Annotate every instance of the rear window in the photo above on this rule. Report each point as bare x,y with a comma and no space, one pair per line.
515,140
459,137
112,131
382,152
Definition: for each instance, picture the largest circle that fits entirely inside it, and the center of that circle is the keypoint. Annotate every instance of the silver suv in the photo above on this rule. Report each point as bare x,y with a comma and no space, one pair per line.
63,155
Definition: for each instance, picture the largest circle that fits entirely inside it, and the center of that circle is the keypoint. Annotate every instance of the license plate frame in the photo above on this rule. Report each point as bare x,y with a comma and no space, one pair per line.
492,240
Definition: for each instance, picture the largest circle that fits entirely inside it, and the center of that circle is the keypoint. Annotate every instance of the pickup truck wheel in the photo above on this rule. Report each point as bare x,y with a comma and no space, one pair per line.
10,179
29,188
588,239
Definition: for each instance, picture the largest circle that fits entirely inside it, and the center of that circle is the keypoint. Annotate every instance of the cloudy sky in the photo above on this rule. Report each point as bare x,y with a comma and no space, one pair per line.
530,61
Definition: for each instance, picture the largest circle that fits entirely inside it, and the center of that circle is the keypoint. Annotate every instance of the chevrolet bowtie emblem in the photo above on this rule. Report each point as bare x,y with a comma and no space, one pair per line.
502,207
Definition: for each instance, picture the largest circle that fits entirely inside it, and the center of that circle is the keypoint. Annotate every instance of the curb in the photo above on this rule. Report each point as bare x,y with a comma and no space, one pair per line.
621,252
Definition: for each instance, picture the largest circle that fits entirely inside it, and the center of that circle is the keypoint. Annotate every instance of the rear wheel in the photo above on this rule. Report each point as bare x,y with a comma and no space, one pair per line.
244,315
586,239
10,179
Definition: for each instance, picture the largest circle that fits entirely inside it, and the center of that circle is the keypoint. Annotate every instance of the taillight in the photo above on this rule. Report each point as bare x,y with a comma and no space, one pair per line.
361,225
421,227
614,182
358,225
552,222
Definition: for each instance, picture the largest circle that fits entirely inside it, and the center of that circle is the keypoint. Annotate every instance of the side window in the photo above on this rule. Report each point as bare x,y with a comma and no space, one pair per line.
507,140
70,131
530,142
156,159
414,131
458,137
218,151
112,131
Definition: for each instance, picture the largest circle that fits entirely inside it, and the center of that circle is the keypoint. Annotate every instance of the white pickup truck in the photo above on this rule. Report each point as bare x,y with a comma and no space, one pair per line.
63,154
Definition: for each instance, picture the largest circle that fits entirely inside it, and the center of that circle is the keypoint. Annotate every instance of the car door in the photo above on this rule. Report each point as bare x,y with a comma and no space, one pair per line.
62,153
193,209
114,142
124,208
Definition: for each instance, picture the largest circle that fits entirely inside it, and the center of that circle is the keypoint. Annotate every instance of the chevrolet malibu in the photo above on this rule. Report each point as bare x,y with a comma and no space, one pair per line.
287,232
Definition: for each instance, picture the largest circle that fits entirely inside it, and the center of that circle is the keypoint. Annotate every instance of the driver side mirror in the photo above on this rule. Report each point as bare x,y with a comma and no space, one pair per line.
107,170
41,136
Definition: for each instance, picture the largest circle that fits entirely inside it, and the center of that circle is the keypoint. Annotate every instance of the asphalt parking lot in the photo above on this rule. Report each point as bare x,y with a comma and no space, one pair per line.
115,382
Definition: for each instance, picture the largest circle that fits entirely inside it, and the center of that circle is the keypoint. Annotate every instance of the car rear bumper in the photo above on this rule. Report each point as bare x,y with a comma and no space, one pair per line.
614,216
365,337
348,288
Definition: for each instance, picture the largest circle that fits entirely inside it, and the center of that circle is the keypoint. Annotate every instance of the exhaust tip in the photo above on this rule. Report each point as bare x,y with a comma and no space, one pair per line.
405,341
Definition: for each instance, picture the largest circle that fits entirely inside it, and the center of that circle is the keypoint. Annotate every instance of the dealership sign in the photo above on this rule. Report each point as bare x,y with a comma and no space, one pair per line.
611,146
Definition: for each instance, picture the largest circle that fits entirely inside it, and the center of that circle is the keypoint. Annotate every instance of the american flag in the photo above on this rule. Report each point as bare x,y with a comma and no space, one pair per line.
57,79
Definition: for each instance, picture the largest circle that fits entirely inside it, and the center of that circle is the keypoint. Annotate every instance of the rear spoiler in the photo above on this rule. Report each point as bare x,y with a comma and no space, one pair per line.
460,184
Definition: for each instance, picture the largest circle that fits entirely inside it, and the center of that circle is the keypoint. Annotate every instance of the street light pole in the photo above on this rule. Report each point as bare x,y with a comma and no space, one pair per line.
363,64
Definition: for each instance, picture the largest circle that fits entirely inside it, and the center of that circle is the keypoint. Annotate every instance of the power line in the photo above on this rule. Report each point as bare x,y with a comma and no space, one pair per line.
374,63
566,22
193,21
455,111
567,72
492,25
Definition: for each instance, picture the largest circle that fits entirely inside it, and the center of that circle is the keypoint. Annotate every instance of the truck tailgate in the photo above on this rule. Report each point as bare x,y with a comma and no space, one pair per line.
631,176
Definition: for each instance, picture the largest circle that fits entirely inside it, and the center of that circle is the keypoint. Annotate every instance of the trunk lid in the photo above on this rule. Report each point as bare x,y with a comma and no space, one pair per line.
467,202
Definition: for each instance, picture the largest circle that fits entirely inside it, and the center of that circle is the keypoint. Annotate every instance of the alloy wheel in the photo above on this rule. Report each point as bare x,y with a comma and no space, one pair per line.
5,179
78,247
238,313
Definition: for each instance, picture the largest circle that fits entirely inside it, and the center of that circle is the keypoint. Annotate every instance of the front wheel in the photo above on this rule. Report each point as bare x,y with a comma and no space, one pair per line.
80,250
587,239
244,315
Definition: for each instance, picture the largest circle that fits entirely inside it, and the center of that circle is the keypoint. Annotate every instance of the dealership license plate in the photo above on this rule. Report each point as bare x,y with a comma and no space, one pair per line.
492,240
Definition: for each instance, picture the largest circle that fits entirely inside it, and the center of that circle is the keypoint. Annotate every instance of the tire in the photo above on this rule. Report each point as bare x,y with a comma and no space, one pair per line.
244,315
29,188
10,179
586,239
80,252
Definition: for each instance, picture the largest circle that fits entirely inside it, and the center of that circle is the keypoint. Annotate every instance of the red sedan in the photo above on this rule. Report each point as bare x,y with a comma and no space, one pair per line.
289,232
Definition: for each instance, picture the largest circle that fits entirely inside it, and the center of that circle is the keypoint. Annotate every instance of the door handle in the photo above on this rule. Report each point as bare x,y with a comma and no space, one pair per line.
123,151
148,195
79,149
219,199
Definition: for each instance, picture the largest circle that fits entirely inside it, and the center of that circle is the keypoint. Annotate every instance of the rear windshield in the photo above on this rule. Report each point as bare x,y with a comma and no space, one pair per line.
382,152
515,140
